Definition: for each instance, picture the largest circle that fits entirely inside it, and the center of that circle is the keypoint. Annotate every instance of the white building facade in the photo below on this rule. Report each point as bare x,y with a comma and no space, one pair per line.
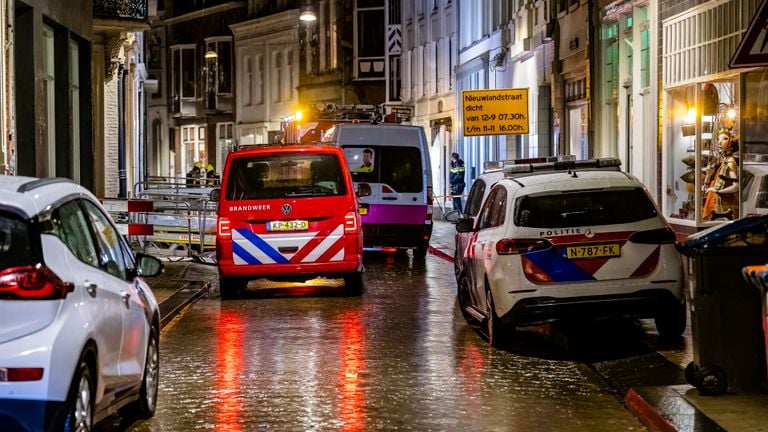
429,80
266,72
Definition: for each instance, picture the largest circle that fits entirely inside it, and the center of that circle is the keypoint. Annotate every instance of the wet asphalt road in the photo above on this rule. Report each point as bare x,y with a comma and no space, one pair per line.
400,357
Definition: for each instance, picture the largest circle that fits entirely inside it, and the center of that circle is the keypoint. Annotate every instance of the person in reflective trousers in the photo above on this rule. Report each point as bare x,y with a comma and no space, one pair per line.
457,180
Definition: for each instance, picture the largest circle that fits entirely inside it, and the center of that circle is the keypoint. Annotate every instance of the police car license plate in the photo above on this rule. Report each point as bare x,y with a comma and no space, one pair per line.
593,251
289,225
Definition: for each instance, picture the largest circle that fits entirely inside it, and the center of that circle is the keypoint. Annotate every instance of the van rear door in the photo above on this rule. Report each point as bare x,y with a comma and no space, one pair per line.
287,208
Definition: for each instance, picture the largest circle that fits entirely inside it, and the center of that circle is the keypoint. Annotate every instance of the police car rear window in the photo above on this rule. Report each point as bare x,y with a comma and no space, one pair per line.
15,244
285,175
604,207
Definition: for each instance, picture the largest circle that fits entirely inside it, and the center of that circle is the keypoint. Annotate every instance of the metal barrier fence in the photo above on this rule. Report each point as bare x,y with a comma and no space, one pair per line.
171,218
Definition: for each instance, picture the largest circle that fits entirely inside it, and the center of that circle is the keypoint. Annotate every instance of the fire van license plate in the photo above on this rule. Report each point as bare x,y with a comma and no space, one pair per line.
289,225
593,251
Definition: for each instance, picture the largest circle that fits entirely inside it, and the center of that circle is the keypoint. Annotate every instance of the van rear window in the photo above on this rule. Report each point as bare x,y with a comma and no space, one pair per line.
400,168
565,210
285,175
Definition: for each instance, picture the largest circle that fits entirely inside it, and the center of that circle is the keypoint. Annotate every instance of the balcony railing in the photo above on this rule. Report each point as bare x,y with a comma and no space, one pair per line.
121,9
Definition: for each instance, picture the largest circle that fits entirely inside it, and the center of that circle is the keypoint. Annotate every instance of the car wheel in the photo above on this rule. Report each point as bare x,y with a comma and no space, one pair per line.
497,333
670,322
144,407
420,252
230,287
353,283
80,401
464,299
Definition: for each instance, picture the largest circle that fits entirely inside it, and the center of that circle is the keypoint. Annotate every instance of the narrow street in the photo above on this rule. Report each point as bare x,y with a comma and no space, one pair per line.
399,357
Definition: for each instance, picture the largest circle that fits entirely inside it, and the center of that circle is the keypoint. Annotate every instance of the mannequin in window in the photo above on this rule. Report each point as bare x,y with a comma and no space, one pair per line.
721,194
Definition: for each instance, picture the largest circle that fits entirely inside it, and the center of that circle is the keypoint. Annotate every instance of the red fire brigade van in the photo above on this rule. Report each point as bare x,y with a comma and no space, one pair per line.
285,213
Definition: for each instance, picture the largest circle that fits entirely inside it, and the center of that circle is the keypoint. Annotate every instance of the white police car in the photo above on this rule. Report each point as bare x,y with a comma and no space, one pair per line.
571,238
79,327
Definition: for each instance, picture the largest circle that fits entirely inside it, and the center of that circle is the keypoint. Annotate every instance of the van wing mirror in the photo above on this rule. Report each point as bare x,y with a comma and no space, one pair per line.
215,193
148,265
363,190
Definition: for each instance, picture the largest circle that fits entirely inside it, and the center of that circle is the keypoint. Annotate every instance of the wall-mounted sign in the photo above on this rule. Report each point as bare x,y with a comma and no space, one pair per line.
495,111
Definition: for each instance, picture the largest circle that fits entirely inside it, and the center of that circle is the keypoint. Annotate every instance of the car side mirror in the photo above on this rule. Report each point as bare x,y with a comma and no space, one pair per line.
363,190
453,216
148,265
215,193
465,225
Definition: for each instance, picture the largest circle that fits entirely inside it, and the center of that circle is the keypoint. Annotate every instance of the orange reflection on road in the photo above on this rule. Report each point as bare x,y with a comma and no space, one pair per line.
470,370
352,362
229,363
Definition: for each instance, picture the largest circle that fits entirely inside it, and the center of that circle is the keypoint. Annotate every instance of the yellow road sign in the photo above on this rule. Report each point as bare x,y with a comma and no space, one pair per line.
495,111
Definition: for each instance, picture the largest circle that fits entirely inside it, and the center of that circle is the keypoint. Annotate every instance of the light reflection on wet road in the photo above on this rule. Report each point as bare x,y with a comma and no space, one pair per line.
399,357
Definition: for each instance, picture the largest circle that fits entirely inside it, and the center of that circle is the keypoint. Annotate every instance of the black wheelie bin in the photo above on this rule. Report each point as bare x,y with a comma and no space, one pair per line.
728,343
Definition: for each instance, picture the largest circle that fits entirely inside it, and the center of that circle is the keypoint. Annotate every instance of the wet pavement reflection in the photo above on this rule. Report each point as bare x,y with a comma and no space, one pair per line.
398,357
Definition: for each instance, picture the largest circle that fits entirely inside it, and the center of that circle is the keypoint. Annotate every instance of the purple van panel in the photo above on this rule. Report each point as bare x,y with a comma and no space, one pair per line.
395,214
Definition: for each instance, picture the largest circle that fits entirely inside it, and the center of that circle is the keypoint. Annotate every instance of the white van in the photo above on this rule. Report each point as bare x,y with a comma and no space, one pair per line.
394,160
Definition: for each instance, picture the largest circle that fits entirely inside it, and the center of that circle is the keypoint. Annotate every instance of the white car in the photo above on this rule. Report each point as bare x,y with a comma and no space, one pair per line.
561,239
79,327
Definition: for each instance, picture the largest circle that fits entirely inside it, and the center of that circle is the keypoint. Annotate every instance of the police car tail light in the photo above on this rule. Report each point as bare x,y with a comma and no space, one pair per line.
223,228
350,222
33,283
20,374
518,246
657,236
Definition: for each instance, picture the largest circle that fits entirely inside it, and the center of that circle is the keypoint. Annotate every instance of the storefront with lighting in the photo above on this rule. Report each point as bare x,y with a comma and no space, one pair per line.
704,103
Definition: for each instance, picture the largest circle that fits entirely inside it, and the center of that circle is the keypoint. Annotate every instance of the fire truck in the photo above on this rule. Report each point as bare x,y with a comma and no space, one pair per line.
314,123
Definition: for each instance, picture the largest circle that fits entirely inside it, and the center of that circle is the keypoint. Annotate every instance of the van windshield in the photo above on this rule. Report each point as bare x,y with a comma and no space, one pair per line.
285,175
395,166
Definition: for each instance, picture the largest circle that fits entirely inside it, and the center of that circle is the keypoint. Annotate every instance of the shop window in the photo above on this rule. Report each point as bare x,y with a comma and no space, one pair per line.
611,66
645,46
754,149
704,153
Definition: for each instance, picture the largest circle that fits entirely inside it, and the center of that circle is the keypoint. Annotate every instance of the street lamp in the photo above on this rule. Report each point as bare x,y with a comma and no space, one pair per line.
307,14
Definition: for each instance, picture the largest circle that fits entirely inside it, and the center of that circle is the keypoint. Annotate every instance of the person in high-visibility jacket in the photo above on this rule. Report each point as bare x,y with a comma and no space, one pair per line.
457,180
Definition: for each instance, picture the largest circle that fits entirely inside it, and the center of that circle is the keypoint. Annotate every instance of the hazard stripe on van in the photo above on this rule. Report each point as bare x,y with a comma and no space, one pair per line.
249,248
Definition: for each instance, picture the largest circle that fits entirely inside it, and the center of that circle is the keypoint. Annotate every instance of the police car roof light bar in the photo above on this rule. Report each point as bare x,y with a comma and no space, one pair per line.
570,165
